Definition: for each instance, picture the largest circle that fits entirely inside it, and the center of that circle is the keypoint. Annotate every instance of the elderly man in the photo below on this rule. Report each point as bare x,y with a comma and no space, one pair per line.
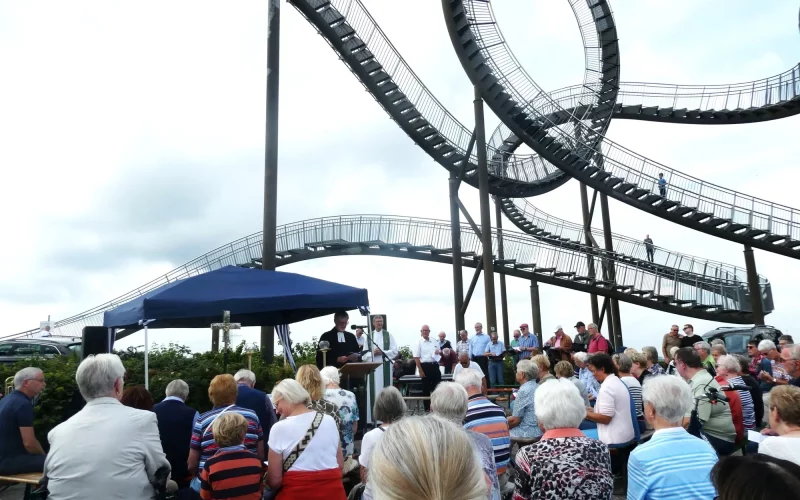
384,350
597,343
586,376
717,419
20,451
730,370
515,344
487,418
528,344
581,338
670,340
704,351
360,338
777,375
427,366
106,451
247,396
790,355
784,340
464,363
477,347
560,346
463,341
495,351
449,355
449,401
175,423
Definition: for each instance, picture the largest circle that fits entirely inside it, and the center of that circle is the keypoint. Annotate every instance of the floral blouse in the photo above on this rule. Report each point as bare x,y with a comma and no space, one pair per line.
523,408
348,413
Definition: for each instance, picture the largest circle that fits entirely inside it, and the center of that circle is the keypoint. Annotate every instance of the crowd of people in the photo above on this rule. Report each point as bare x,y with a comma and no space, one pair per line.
582,419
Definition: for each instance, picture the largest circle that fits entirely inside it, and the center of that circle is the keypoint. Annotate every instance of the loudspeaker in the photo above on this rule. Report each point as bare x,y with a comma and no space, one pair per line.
95,341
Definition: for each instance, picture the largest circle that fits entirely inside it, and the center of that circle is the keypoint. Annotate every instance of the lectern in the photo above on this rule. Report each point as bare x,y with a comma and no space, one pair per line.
357,370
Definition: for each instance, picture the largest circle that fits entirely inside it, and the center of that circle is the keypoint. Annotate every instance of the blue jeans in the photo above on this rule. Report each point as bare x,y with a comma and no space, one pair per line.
495,373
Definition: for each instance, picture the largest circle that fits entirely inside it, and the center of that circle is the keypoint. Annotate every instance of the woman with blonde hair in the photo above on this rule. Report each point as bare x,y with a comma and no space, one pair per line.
542,362
564,370
784,420
305,452
426,457
310,378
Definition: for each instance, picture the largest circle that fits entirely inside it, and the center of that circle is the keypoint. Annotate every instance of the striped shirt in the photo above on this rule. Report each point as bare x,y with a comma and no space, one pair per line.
529,341
748,407
233,473
636,393
203,435
487,418
673,465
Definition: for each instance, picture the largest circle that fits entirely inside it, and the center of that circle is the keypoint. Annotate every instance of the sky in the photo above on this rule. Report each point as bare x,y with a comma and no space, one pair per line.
132,141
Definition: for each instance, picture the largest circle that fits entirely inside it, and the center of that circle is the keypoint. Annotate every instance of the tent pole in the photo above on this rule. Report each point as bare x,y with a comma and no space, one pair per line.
144,323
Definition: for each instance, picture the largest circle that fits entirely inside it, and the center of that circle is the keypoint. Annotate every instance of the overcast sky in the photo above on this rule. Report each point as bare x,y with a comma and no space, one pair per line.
132,140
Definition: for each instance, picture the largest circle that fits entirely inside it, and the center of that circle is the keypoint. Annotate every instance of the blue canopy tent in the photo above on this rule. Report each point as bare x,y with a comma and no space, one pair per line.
254,297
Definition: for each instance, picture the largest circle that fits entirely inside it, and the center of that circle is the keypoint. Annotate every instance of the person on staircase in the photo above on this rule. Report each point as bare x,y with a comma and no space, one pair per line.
648,246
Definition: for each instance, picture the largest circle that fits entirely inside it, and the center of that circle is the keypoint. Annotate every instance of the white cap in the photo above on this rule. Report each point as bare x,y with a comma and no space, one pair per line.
558,328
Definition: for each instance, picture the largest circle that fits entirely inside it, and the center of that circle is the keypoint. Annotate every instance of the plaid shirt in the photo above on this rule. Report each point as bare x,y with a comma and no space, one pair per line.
656,369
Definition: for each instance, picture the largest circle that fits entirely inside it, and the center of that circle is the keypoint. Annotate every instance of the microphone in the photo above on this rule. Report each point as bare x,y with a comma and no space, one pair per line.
356,327
736,388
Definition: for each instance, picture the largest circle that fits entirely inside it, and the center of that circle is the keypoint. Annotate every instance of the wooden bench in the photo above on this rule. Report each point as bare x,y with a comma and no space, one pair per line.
30,480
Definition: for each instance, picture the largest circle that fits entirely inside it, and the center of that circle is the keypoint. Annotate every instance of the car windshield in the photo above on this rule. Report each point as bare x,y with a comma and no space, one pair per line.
76,347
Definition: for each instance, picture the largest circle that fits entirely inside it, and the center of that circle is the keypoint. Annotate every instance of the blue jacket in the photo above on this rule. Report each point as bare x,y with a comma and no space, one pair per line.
175,423
257,401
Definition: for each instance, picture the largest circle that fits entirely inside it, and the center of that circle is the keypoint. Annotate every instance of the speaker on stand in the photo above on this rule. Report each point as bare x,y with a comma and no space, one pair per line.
96,340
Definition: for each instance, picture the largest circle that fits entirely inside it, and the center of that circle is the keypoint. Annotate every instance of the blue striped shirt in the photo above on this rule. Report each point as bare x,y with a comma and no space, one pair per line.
529,341
477,344
748,407
673,465
497,349
487,418
203,434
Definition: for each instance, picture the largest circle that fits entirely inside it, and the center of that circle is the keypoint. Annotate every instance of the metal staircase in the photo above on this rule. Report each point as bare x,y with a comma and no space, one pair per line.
679,291
607,166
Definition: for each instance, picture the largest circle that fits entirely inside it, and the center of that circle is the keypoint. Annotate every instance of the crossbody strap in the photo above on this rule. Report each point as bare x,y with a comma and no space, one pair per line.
303,444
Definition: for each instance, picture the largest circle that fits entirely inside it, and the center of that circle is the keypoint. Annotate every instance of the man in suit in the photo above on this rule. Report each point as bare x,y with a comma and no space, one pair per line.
175,423
342,344
249,397
106,451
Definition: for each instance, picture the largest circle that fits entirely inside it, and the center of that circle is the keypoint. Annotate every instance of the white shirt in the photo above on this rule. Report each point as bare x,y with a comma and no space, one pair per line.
368,443
472,365
320,454
425,350
785,448
614,401
360,340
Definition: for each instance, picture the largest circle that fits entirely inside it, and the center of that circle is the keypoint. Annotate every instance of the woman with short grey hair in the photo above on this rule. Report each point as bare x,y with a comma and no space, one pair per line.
522,423
658,468
564,464
624,365
388,409
585,375
651,354
718,351
729,368
348,407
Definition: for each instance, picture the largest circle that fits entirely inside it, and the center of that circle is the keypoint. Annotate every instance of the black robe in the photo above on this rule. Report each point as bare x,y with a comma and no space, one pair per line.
350,345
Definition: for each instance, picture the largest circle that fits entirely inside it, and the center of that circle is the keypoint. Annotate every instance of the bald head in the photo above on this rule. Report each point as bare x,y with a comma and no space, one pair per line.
425,331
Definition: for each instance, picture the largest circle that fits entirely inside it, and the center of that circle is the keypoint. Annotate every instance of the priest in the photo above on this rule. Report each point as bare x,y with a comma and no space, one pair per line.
382,376
343,345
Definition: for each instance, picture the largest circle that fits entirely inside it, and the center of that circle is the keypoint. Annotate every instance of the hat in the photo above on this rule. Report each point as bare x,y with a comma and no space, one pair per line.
524,325
579,323
558,328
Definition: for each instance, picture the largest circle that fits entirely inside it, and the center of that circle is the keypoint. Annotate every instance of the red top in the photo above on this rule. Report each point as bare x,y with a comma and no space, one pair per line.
598,344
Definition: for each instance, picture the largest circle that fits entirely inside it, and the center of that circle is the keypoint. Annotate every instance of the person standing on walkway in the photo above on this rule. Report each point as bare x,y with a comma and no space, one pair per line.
495,351
648,245
662,185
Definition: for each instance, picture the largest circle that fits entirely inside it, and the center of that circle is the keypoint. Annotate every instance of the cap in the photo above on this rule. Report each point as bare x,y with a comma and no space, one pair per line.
524,325
579,323
558,328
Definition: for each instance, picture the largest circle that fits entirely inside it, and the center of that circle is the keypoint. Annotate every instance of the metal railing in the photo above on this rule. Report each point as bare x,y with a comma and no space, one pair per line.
622,163
419,232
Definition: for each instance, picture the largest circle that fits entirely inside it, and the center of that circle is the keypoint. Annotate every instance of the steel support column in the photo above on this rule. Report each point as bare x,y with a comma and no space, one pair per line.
455,238
501,255
587,231
753,286
271,159
614,323
486,219
471,289
536,312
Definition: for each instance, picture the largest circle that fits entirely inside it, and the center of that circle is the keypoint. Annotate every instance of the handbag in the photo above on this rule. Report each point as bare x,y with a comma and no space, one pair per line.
270,494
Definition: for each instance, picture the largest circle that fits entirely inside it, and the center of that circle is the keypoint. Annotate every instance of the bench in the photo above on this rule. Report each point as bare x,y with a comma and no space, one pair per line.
30,480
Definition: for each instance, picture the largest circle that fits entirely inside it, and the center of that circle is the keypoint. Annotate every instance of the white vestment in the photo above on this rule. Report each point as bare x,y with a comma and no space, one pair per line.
377,375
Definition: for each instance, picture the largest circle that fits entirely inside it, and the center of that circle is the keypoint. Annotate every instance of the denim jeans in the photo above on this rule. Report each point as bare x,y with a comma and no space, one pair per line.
495,373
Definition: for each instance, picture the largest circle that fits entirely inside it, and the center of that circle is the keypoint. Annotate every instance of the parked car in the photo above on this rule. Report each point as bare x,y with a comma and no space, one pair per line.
13,350
737,337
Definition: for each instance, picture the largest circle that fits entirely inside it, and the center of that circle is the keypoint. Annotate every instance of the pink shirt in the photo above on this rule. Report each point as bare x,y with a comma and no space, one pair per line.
558,341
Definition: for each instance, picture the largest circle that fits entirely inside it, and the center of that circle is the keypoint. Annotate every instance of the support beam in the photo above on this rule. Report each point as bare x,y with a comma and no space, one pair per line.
464,164
474,226
587,231
271,159
486,219
591,210
501,255
536,312
753,286
614,323
455,235
214,339
471,289
603,309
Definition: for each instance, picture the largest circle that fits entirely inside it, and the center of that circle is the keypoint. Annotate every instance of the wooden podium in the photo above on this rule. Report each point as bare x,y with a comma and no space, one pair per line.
357,370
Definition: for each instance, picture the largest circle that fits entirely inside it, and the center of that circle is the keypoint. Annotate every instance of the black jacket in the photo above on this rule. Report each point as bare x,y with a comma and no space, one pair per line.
349,346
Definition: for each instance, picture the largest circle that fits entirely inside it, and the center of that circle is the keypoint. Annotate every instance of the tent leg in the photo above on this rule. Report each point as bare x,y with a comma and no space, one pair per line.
146,360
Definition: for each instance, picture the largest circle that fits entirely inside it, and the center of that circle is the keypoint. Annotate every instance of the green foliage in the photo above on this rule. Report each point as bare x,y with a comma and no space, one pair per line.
166,363
405,352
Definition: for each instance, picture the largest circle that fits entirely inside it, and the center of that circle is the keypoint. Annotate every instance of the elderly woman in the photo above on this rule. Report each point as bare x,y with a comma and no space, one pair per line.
613,412
222,392
522,423
624,365
564,464
784,420
651,355
388,409
718,350
729,370
426,457
449,401
564,370
309,377
585,376
671,370
673,463
752,384
348,408
639,367
309,471
542,363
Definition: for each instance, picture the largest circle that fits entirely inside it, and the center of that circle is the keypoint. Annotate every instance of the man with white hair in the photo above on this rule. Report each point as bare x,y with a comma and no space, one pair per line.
464,363
247,396
704,350
20,451
384,343
488,419
175,423
107,451
790,355
449,355
449,401
779,376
